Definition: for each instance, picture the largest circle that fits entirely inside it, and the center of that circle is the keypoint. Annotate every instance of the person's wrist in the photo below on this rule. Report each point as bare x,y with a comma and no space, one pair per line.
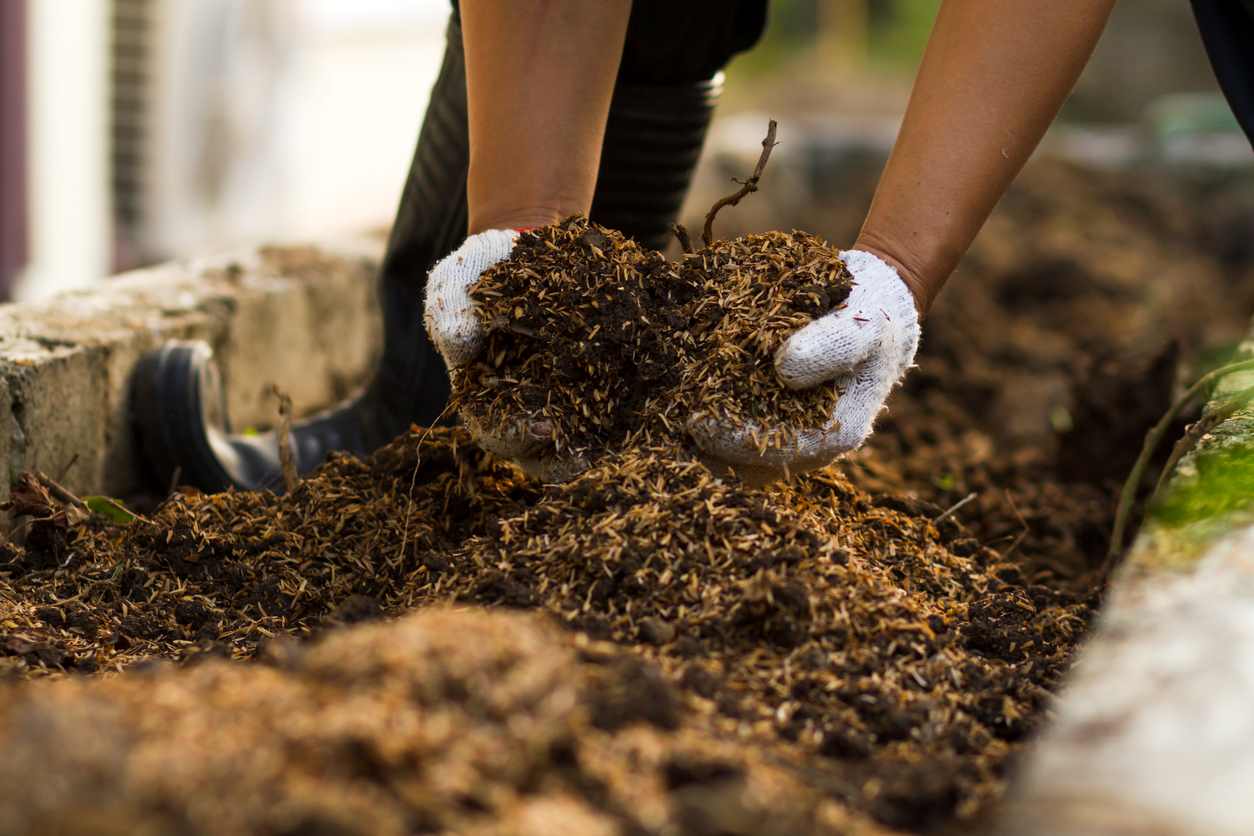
523,218
910,277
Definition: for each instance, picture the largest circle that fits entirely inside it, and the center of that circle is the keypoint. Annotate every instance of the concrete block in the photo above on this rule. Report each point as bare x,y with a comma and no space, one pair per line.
297,323
299,317
1153,732
57,397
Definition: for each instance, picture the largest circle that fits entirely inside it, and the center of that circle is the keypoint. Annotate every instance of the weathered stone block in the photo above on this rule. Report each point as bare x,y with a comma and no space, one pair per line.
302,318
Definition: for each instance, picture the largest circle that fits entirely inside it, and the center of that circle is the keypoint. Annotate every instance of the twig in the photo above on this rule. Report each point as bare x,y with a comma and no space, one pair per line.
1153,438
60,492
1192,434
1018,539
413,479
65,471
74,509
953,508
749,186
1010,500
287,457
681,234
1022,532
174,480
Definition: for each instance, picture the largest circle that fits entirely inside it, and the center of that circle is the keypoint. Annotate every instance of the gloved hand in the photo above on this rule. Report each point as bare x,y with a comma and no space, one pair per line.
450,319
863,348
448,312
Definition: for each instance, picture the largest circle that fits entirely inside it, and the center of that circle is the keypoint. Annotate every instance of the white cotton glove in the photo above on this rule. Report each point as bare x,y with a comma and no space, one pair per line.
459,337
863,347
448,313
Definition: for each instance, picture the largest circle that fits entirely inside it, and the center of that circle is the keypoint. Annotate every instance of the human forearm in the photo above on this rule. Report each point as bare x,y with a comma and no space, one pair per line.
540,74
992,79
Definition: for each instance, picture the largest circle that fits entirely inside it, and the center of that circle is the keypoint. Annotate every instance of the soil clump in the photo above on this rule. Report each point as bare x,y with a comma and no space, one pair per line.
441,722
758,290
610,344
585,330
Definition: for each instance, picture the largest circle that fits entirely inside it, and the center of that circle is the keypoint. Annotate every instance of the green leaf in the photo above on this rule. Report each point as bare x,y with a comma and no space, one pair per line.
110,509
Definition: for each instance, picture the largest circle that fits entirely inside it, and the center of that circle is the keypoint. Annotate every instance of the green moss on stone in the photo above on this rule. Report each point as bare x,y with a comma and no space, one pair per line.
1215,485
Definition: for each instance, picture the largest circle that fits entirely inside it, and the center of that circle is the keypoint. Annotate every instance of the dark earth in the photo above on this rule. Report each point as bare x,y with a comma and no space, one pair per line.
585,331
647,648
611,345
756,291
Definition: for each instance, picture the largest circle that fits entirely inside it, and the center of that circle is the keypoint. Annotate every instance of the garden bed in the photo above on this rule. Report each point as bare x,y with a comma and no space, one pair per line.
862,648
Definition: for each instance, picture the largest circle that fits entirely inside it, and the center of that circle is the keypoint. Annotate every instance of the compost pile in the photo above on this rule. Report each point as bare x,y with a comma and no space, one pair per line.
442,722
609,344
809,615
865,647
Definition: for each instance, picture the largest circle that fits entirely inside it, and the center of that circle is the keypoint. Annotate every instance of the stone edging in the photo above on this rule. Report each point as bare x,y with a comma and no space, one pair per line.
300,317
1154,731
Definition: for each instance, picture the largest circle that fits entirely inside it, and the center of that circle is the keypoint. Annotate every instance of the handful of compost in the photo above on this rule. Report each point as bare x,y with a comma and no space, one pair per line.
842,365
572,340
772,352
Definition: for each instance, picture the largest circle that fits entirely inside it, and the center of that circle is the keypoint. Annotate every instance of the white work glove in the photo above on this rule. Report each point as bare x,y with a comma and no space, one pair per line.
458,335
863,348
449,313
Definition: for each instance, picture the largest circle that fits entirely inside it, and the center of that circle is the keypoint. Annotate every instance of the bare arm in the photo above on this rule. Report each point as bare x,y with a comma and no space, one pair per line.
994,76
539,77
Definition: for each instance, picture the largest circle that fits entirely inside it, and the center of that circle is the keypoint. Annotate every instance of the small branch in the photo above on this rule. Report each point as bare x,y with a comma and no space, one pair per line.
949,512
60,492
287,456
174,480
1024,532
65,471
1153,438
748,187
681,234
1192,435
66,497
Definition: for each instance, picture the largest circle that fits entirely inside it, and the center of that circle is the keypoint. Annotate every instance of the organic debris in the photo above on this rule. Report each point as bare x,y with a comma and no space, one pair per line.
441,722
757,291
585,331
607,344
808,612
610,344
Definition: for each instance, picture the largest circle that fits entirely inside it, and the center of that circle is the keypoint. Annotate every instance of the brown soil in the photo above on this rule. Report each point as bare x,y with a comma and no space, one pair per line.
902,655
609,344
583,333
758,290
815,656
441,722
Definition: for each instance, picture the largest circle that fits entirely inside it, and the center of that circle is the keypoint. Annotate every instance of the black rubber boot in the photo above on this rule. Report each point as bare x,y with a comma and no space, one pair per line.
653,140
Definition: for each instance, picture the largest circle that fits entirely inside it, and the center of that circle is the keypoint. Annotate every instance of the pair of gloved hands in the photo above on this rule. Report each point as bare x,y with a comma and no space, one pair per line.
863,348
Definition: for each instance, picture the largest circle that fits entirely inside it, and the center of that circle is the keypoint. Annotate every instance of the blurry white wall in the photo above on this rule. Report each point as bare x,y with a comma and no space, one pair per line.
275,119
68,207
242,120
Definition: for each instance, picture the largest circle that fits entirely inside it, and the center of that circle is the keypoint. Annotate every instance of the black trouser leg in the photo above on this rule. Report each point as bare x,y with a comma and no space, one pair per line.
1227,28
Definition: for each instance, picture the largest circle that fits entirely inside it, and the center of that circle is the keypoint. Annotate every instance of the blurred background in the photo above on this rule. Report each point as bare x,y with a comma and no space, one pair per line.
132,131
